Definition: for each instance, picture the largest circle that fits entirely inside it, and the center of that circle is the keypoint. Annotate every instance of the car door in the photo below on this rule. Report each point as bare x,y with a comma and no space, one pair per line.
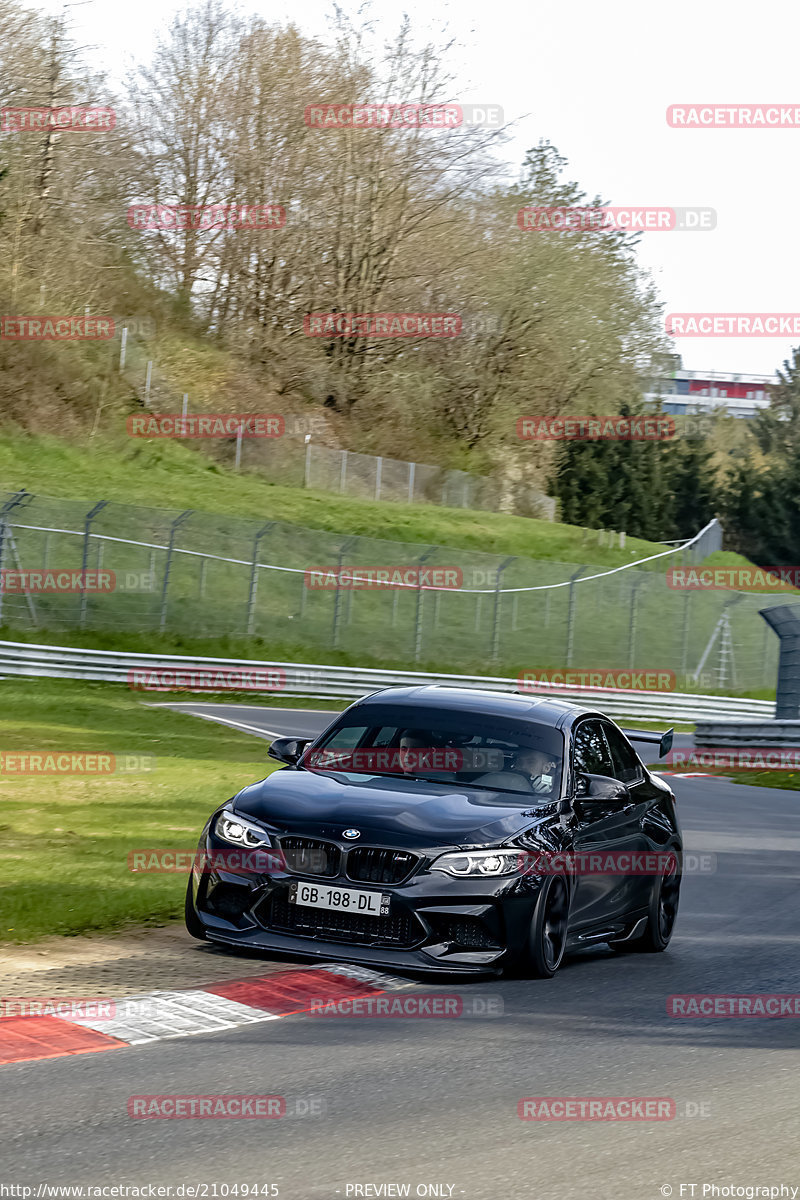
629,770
600,896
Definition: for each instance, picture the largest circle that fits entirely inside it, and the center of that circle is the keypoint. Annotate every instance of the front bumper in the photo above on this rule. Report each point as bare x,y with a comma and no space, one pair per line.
436,922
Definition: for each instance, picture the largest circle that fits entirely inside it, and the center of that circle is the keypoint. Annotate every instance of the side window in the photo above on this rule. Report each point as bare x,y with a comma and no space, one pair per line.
346,738
591,753
627,768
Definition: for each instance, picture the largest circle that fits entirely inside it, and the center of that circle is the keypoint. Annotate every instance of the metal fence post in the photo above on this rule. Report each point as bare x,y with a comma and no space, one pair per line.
378,474
346,544
239,434
251,599
123,347
20,497
571,615
418,615
496,616
90,516
634,622
412,470
687,600
147,379
162,622
2,544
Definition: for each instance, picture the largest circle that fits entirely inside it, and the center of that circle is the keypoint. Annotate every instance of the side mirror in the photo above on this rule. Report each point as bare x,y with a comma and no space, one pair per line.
598,795
288,750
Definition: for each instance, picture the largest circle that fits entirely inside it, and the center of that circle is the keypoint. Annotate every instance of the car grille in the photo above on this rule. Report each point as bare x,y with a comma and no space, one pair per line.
307,856
277,914
368,864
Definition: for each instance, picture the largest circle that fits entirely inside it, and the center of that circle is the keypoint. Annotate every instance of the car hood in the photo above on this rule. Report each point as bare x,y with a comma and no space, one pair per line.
394,812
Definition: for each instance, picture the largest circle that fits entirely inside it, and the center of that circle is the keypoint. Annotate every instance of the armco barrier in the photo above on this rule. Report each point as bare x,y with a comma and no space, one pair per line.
322,682
743,732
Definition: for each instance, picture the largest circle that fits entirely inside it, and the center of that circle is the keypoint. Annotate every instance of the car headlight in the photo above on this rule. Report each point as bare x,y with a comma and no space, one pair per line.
238,831
481,862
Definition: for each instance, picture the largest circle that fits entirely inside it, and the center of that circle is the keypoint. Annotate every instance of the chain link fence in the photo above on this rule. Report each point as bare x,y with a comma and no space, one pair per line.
294,461
203,575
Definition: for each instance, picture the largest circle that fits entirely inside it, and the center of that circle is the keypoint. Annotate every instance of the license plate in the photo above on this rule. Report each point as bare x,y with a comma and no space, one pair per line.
352,900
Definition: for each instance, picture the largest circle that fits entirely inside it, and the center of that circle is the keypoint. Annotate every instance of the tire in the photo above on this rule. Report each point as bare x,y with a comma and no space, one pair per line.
547,938
193,923
661,915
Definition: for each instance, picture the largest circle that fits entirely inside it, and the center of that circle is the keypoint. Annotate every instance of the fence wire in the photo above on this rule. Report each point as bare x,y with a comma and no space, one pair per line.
204,575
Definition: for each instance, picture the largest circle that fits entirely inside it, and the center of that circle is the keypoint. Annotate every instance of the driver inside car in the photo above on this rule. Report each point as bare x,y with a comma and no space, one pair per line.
411,742
533,771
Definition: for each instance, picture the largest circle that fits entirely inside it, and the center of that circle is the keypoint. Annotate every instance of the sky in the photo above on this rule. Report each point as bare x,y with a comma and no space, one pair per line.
596,79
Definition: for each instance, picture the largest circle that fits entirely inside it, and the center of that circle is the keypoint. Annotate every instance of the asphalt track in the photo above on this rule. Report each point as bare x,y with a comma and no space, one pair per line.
434,1102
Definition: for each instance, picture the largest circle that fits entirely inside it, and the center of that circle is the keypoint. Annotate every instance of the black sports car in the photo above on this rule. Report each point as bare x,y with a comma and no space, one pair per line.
446,829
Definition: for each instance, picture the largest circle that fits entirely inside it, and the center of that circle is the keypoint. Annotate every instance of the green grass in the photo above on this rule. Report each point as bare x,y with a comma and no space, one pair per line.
170,475
787,780
64,842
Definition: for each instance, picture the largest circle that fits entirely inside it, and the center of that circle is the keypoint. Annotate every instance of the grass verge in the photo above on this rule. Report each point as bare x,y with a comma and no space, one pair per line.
64,841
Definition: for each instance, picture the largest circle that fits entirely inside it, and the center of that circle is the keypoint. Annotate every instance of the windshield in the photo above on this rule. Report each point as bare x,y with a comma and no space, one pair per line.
494,753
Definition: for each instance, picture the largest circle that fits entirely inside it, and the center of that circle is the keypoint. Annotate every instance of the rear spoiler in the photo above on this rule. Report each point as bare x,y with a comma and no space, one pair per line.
662,740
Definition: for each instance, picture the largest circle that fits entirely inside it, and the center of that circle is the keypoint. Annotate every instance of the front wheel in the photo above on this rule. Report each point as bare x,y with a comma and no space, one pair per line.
547,939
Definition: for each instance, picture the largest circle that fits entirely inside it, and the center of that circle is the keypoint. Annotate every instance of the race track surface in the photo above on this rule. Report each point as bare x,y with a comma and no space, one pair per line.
425,1102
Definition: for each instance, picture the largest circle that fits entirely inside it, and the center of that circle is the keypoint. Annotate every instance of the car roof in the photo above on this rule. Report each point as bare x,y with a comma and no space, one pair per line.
544,709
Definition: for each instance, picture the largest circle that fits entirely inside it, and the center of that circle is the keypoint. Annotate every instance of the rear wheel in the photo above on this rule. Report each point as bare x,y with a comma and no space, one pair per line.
193,923
547,939
663,910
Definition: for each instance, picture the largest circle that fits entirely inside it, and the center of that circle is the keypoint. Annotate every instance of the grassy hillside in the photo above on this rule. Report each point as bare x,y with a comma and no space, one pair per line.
170,475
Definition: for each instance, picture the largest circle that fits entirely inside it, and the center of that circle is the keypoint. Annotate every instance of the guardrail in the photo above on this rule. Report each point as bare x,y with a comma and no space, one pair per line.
324,682
750,733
